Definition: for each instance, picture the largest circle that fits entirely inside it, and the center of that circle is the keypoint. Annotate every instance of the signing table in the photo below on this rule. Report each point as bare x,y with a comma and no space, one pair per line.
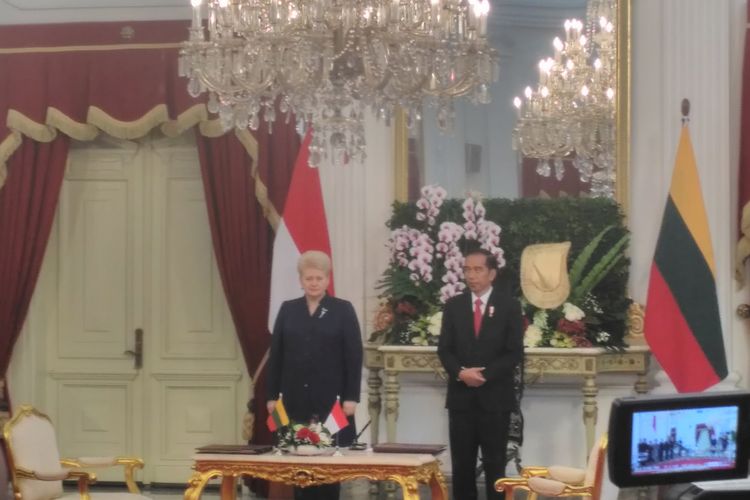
408,470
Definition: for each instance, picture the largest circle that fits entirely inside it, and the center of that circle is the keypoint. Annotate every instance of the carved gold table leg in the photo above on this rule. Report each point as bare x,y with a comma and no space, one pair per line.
197,482
409,486
437,486
229,487
590,390
391,404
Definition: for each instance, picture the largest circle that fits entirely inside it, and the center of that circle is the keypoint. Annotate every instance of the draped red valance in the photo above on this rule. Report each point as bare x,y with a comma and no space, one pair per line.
80,79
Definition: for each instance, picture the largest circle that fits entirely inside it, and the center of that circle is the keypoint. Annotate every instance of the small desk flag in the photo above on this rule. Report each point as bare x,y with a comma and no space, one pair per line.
336,419
278,417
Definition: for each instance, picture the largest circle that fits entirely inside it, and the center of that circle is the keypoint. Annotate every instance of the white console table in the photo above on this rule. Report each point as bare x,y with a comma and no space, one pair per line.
540,363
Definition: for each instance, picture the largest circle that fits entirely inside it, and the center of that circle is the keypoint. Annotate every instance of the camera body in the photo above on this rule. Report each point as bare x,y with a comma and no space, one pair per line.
679,439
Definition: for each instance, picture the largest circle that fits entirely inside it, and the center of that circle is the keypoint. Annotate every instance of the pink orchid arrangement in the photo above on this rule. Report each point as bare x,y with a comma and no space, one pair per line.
426,264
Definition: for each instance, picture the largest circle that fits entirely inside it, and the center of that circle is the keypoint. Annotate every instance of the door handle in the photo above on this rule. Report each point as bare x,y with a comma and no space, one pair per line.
743,311
138,352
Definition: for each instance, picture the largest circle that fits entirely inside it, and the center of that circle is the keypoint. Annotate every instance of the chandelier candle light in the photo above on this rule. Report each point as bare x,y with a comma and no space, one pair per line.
326,61
571,114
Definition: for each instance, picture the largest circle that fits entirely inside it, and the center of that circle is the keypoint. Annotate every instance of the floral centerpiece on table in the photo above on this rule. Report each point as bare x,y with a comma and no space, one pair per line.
580,321
426,267
296,434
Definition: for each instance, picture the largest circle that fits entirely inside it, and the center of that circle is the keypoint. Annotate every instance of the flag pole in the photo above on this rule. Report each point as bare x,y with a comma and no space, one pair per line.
337,453
276,436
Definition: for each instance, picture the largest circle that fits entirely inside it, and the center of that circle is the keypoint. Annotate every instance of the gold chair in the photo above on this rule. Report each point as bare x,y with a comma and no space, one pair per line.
558,480
37,472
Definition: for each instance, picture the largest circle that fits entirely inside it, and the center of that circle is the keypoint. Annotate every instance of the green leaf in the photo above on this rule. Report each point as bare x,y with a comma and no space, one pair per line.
583,258
601,269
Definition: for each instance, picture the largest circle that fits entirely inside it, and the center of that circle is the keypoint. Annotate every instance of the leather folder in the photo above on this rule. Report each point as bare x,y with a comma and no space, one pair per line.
235,449
429,449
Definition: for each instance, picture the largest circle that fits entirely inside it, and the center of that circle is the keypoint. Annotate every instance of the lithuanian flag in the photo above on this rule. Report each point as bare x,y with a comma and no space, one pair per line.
278,417
682,324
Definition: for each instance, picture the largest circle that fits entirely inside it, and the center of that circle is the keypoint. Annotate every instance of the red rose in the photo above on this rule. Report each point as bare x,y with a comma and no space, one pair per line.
571,327
314,438
303,433
581,341
406,308
526,323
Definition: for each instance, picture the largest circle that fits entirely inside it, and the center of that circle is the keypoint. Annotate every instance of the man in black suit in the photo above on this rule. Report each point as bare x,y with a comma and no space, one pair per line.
481,342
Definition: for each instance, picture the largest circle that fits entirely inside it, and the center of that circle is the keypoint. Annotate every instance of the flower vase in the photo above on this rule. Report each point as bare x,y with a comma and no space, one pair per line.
307,450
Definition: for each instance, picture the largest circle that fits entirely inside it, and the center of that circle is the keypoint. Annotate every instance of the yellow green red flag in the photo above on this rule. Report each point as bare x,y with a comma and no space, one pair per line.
682,324
278,417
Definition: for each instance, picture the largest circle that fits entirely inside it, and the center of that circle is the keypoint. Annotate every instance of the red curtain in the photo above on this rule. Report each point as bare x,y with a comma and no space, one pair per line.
242,237
90,75
243,240
122,78
27,208
743,198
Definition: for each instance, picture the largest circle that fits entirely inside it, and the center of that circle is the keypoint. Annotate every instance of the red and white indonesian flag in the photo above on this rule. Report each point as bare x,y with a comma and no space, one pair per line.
336,419
303,227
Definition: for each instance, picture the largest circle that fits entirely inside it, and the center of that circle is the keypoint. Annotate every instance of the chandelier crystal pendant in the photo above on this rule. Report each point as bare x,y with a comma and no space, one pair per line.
327,61
571,114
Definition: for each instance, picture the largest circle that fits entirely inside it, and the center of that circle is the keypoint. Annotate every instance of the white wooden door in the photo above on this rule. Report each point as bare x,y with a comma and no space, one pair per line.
131,250
196,380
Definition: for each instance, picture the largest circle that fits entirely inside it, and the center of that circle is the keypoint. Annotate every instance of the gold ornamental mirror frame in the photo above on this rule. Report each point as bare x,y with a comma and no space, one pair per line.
622,111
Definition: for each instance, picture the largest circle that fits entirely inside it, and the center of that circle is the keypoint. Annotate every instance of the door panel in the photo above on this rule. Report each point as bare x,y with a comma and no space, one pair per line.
93,421
193,412
131,249
95,394
96,274
195,367
196,320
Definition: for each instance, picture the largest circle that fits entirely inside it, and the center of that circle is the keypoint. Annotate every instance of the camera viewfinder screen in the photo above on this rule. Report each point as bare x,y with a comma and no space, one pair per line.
685,440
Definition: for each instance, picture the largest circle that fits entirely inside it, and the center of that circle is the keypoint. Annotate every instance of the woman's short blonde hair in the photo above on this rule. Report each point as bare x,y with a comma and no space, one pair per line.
314,259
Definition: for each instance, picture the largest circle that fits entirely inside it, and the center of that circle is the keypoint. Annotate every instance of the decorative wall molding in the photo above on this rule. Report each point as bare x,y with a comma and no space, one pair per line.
88,377
60,11
89,4
232,376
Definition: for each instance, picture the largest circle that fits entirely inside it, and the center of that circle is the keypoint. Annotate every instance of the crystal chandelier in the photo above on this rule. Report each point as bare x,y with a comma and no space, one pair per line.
571,114
326,61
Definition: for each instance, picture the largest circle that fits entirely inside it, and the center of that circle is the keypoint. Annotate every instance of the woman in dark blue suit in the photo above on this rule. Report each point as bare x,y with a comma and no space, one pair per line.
316,356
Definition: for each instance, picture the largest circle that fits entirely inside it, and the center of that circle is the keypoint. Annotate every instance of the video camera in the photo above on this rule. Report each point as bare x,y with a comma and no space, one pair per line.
679,439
